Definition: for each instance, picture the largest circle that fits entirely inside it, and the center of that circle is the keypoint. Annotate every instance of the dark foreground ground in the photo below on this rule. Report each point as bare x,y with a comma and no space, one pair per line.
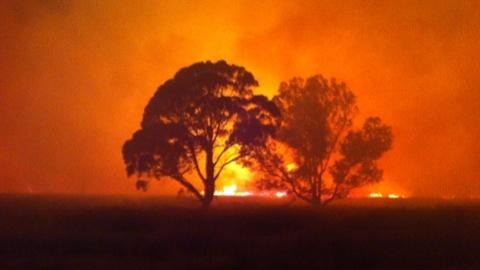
65,232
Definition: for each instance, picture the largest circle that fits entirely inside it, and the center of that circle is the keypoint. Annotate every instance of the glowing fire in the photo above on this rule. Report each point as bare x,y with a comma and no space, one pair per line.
234,182
291,167
231,190
380,195
236,177
375,195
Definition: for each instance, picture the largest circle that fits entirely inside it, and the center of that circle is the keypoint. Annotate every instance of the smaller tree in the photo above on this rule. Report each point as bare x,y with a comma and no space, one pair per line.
316,154
359,153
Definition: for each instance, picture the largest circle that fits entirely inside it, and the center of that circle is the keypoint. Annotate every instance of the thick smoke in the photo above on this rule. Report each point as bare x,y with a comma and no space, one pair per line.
75,77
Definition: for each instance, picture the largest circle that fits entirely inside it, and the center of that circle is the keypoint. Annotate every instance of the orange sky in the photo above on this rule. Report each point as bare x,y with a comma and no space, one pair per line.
76,76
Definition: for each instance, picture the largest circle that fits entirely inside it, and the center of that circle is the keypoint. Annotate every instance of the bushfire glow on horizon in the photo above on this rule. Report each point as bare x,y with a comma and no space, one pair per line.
76,76
231,191
238,182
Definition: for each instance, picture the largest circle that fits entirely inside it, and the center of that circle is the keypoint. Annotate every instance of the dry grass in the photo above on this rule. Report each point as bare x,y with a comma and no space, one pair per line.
67,232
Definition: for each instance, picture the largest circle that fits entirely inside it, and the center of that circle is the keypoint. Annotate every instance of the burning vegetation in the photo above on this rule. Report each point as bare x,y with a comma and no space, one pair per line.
300,143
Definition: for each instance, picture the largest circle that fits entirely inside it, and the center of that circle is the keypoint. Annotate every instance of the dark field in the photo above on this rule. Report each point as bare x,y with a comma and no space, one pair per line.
66,232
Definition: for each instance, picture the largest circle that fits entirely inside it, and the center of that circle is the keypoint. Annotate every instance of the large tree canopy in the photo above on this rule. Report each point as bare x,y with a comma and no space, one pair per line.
197,123
316,154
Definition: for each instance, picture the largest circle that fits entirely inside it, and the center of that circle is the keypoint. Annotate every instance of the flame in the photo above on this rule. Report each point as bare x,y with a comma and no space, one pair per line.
291,166
234,180
375,195
380,195
231,190
234,183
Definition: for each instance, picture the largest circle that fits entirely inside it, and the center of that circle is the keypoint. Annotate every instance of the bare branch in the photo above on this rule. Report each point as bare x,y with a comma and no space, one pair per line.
225,164
195,161
219,127
333,196
293,185
324,164
224,150
184,182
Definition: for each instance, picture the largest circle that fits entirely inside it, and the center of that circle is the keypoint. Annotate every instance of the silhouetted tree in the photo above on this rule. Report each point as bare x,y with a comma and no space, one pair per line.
197,123
315,154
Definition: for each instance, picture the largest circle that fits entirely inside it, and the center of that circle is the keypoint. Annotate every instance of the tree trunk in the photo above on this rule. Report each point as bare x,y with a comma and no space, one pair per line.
315,201
208,196
210,180
315,192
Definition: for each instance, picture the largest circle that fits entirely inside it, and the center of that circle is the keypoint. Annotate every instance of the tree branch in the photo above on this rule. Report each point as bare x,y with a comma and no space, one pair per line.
217,130
221,153
195,162
184,182
291,182
334,195
225,164
324,165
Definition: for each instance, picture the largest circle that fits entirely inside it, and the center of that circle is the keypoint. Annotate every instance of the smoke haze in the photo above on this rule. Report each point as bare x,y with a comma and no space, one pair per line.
76,76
